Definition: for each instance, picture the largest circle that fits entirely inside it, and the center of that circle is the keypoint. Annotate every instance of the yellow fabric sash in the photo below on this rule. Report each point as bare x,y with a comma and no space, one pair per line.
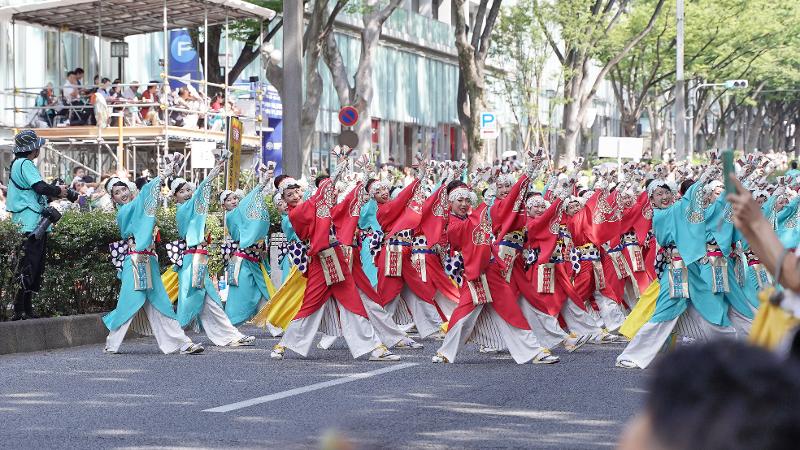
771,322
642,312
285,303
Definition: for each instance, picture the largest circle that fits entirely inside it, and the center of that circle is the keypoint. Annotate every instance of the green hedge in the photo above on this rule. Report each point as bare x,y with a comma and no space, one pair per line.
78,277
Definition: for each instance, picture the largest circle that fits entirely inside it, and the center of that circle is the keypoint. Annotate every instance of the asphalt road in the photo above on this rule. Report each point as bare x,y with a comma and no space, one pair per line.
82,398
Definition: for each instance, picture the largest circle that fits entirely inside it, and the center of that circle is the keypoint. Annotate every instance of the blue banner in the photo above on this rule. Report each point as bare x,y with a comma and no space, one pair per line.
183,59
272,144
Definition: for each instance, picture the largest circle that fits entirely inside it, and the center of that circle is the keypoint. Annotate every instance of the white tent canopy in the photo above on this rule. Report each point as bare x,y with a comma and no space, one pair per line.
119,18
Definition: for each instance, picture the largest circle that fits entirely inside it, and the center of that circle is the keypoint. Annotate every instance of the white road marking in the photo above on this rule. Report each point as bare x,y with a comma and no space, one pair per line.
311,387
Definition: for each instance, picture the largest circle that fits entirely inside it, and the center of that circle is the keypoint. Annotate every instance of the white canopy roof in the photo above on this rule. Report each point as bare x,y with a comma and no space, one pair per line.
119,18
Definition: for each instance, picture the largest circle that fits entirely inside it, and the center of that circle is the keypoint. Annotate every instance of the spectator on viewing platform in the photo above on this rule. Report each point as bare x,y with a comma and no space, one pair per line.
45,118
150,114
70,89
105,87
79,76
132,92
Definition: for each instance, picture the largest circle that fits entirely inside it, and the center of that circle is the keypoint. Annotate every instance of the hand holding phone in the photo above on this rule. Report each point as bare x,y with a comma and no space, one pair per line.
728,170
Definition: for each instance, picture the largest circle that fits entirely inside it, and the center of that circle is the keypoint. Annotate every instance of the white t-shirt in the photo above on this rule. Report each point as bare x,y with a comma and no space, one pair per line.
129,94
69,89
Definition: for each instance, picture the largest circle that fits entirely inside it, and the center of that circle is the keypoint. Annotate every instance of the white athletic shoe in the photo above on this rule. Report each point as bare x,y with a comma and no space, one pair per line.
383,354
545,358
484,349
277,352
110,352
244,341
192,349
439,359
626,364
408,343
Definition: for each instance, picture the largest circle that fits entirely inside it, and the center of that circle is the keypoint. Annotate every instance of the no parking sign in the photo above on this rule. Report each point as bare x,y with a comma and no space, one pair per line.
348,116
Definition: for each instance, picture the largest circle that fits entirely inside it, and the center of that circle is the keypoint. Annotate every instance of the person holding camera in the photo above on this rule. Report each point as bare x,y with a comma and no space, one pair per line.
28,196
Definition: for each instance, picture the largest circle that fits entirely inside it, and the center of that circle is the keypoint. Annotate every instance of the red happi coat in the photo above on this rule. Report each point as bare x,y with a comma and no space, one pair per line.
593,225
472,236
508,215
542,236
345,217
406,212
639,220
312,222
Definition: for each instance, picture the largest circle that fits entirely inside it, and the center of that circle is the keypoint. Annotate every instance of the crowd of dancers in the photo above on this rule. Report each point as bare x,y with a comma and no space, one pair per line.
525,261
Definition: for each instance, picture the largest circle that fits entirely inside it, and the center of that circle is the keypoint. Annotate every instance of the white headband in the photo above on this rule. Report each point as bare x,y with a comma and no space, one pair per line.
226,193
505,179
285,183
536,200
660,184
177,183
462,192
109,186
376,185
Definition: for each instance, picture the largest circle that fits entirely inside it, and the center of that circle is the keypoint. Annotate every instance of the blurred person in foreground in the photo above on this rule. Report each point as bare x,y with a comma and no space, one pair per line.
721,395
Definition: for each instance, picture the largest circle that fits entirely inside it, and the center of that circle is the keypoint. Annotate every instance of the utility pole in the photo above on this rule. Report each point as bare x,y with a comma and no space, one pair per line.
680,105
292,97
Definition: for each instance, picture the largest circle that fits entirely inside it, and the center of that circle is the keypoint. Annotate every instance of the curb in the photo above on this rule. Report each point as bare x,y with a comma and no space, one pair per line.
51,333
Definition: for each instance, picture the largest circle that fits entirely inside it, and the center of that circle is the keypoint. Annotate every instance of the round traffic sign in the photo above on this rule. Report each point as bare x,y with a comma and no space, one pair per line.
348,116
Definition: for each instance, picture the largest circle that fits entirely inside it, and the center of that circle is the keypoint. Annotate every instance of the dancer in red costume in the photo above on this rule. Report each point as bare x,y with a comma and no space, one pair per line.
345,216
410,276
331,302
540,296
487,313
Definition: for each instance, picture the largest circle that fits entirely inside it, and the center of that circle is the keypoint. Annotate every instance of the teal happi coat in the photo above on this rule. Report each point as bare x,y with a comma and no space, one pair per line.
248,224
683,225
191,221
367,220
137,220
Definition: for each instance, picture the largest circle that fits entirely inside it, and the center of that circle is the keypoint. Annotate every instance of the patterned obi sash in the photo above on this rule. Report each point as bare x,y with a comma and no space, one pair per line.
140,262
393,253
631,245
419,248
508,249
235,256
677,271
589,252
331,266
763,278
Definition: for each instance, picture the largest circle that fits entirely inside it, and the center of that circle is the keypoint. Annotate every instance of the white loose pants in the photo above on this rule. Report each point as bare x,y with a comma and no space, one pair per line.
357,330
522,344
168,332
217,325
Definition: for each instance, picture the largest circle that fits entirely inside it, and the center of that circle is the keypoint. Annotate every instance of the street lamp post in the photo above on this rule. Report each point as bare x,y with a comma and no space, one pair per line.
680,104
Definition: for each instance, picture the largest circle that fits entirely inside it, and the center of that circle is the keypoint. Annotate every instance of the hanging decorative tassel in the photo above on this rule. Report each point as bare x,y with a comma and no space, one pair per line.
546,278
678,277
719,269
331,268
480,291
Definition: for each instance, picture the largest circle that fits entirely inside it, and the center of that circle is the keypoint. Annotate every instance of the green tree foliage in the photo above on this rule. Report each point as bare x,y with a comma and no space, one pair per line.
521,49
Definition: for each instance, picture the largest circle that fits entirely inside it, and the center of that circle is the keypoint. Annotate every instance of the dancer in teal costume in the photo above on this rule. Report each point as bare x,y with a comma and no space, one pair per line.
682,227
198,299
138,269
248,224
